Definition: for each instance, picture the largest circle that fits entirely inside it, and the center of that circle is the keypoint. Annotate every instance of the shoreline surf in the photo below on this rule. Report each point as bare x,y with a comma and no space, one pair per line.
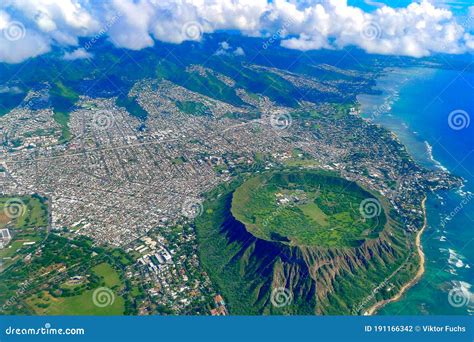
421,270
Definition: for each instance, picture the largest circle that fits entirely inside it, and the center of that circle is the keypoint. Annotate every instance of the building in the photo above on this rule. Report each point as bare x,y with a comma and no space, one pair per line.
5,238
220,309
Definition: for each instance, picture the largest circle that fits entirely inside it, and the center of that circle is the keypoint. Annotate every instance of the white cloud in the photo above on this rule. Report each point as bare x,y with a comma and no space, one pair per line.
239,52
18,43
224,45
10,90
80,53
63,21
133,28
417,30
226,49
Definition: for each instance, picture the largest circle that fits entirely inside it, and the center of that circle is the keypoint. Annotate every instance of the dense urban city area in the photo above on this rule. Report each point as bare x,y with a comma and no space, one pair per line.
101,198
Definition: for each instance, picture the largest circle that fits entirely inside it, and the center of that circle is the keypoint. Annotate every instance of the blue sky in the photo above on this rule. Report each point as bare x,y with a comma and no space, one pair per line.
459,7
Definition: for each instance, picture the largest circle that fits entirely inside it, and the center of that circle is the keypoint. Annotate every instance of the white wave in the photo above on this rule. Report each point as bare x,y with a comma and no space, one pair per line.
429,152
456,259
461,192
453,271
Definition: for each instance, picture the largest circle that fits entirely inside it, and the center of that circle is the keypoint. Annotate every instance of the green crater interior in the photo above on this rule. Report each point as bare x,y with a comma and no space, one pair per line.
306,208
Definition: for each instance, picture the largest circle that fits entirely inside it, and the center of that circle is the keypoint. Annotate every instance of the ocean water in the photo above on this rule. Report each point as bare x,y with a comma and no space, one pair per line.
431,112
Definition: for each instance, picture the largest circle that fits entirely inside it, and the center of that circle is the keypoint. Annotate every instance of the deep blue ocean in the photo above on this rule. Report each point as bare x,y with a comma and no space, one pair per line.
416,104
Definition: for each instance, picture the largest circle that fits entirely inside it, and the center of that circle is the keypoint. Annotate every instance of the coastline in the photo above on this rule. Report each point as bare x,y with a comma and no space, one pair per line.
377,306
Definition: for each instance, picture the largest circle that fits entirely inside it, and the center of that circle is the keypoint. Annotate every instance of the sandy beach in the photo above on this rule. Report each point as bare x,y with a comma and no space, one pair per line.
373,309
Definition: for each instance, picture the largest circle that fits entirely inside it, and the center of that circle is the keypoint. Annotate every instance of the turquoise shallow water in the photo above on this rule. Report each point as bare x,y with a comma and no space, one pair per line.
416,105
